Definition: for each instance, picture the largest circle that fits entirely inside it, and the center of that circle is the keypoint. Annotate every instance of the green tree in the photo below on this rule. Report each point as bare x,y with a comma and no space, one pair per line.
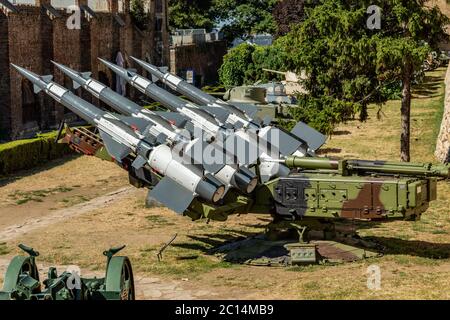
348,64
410,30
138,14
237,63
242,18
338,54
191,14
244,64
237,18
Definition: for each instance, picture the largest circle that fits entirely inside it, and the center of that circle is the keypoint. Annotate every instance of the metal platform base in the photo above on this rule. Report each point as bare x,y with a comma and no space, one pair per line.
280,247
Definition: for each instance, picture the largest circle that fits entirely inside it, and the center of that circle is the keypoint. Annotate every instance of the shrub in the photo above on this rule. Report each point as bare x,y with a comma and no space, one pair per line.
29,153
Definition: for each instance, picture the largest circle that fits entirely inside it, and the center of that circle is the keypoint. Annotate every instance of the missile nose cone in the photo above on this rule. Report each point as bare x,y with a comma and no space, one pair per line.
33,77
21,70
63,68
69,72
138,61
56,64
147,66
116,69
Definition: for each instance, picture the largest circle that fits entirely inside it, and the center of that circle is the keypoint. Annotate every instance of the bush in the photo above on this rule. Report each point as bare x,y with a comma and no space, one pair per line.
243,65
27,154
323,113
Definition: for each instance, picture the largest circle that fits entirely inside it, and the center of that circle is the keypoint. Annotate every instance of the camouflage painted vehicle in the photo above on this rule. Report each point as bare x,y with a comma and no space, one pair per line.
349,189
22,280
273,99
257,96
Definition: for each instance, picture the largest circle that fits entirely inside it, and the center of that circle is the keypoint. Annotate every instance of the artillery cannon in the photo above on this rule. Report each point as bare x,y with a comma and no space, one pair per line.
22,280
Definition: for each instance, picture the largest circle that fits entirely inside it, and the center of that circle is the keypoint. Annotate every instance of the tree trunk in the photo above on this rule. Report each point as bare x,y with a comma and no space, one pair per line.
406,114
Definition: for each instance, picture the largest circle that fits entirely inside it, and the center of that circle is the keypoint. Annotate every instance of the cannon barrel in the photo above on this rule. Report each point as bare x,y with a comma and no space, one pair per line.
275,71
349,167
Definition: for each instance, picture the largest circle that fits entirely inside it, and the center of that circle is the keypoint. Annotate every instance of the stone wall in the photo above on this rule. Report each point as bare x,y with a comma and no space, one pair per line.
443,142
205,59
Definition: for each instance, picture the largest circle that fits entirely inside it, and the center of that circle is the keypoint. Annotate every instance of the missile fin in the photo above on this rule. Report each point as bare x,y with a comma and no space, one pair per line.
76,85
286,143
161,138
154,79
139,162
250,109
115,149
197,152
36,89
138,124
267,120
183,124
172,195
164,69
47,78
173,117
131,73
220,113
312,137
242,150
86,75
268,170
213,167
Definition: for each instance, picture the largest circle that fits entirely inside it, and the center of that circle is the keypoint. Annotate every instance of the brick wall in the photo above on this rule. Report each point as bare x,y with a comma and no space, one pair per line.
205,59
30,38
5,105
25,49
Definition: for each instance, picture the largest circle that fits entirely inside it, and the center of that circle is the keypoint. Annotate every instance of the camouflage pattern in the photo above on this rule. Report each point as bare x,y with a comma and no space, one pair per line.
350,189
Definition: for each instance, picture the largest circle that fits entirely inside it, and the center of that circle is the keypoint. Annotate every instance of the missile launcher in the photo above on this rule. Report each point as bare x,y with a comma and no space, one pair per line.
304,188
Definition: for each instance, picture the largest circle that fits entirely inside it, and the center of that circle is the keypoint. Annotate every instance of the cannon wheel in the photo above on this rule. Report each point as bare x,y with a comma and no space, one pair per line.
119,278
19,265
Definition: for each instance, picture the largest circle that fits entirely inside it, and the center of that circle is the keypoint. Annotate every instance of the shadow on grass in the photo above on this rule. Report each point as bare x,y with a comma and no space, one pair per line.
429,88
416,248
4,180
341,133
208,243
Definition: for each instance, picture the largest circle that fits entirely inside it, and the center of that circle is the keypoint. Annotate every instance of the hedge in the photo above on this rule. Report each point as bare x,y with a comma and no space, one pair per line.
29,153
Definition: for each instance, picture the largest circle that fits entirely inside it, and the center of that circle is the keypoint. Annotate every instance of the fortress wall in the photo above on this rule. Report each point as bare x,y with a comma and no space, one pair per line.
5,106
31,38
25,49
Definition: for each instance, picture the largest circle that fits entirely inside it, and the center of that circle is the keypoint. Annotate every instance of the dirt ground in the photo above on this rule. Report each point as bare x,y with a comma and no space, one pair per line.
76,207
